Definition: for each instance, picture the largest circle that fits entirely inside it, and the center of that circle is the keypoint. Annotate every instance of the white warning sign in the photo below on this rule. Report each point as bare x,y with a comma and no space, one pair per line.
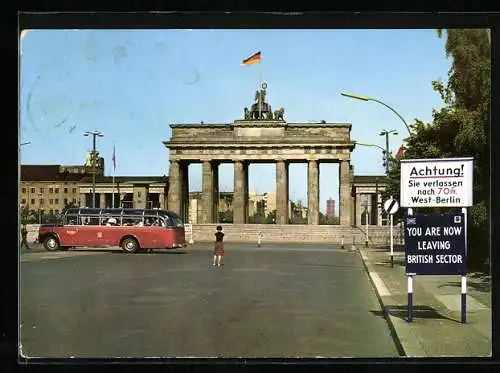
443,182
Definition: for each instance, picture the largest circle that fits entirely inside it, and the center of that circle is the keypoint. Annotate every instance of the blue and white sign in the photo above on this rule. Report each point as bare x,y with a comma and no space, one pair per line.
435,244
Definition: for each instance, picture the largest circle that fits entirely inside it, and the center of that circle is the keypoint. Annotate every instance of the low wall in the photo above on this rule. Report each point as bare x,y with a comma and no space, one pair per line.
290,232
297,233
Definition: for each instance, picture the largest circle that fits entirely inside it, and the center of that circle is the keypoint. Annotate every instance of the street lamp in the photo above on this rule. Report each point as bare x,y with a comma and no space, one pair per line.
384,152
386,134
366,98
94,134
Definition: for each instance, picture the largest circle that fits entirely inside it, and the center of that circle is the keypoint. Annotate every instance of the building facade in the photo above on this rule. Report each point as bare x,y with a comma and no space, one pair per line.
330,208
47,189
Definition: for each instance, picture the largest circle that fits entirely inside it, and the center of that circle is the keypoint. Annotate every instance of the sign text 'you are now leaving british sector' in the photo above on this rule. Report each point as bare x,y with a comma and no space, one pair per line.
445,182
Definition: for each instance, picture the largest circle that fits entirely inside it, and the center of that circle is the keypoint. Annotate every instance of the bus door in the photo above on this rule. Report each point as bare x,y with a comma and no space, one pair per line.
70,231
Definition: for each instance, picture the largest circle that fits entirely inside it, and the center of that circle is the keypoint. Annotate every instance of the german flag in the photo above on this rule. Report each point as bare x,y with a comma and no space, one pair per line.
254,58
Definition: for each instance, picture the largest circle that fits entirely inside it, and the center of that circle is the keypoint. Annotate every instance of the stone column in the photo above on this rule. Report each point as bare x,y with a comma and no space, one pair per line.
184,188
281,192
83,199
245,192
358,209
379,209
161,199
102,200
313,193
215,198
239,193
344,193
174,190
353,209
207,197
122,196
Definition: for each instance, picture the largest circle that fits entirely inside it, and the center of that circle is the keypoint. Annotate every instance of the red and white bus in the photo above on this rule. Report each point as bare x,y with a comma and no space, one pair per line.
134,230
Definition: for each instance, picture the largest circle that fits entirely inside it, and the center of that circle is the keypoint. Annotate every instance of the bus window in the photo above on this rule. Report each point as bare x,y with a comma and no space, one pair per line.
132,221
72,219
92,220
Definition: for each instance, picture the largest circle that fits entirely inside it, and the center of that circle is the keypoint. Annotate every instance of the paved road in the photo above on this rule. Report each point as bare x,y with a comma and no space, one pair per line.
278,301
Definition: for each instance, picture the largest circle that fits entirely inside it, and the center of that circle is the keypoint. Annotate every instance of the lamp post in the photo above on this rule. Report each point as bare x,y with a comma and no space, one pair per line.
366,98
94,134
384,152
386,134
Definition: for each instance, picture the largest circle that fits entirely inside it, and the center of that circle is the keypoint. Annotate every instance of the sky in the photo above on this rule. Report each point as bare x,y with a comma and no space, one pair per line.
132,84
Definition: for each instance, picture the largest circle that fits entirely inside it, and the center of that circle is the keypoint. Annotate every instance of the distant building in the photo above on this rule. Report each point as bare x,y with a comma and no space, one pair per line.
330,208
196,206
49,188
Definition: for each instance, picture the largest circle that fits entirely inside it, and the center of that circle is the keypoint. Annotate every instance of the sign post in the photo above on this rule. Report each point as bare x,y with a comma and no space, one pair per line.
391,206
188,228
367,218
436,244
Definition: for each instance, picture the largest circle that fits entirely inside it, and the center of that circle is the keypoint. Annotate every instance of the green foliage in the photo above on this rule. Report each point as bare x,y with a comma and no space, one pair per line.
24,212
460,127
68,206
325,220
257,218
225,216
271,218
296,214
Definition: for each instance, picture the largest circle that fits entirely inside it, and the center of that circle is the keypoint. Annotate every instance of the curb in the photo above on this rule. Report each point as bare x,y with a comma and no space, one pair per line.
392,328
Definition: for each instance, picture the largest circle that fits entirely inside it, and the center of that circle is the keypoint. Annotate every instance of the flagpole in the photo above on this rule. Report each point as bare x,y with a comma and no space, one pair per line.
113,185
260,87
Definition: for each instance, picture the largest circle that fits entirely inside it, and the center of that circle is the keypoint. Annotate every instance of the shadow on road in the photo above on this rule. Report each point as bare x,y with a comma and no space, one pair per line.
387,262
118,251
330,265
483,286
421,312
395,248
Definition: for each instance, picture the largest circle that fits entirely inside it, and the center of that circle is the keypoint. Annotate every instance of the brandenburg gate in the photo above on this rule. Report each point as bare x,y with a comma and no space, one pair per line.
263,136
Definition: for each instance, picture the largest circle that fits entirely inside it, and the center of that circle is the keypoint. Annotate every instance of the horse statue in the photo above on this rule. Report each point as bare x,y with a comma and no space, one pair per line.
278,114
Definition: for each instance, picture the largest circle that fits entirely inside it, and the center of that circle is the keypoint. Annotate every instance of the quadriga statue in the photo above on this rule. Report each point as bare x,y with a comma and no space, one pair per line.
278,114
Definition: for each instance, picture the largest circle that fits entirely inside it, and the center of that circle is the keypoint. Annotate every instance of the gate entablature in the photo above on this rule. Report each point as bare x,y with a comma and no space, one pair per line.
258,138
261,140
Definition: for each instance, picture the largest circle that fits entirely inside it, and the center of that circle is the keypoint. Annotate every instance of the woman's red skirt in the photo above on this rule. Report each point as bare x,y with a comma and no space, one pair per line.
219,248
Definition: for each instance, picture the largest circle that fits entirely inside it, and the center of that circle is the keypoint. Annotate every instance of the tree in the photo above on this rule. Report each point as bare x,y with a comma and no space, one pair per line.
225,216
68,205
459,128
25,212
271,218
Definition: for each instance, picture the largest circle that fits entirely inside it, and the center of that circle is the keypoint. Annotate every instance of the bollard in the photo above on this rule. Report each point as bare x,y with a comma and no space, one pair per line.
342,242
353,247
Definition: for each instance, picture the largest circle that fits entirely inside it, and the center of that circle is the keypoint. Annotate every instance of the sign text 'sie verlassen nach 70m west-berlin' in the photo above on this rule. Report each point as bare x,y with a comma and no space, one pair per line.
445,182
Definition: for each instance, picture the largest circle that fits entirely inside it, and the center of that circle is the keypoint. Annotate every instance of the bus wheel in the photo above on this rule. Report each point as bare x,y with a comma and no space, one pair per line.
51,244
130,245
